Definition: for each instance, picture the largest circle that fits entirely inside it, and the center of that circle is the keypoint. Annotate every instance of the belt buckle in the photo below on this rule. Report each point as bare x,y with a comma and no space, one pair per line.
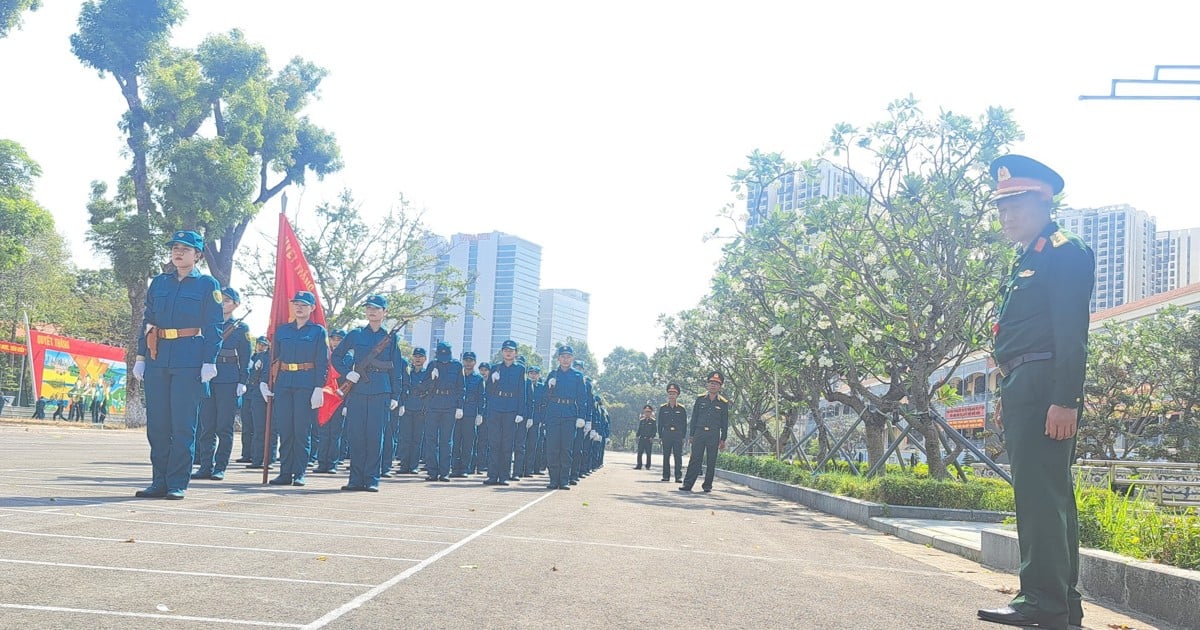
293,367
170,333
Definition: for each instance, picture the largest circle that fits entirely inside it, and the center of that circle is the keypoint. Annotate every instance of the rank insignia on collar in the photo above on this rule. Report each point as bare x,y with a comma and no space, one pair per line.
1025,273
1058,239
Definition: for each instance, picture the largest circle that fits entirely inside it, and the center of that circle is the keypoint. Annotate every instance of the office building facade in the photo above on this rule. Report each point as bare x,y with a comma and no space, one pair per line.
562,315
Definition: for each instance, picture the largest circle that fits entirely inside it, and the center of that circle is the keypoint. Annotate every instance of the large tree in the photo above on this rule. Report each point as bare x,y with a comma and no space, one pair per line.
22,219
10,13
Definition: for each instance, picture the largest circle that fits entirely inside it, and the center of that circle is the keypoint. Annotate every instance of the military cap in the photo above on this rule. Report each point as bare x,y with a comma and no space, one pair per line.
468,355
535,369
647,406
376,300
566,350
577,363
672,386
715,377
305,297
232,294
187,237
520,359
338,332
485,366
508,343
418,352
443,349
1017,174
263,340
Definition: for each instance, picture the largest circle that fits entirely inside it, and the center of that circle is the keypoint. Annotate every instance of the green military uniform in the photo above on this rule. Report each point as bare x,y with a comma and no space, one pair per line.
1041,351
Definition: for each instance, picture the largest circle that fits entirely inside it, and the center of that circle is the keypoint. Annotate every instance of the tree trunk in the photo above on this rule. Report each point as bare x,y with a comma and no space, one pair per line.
875,429
135,405
933,445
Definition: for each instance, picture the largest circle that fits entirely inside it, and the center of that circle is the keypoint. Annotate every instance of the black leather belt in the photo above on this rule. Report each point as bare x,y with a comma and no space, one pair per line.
564,401
1007,367
504,395
232,359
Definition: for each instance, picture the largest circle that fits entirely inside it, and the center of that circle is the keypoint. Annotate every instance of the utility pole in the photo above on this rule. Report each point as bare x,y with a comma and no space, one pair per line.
1181,83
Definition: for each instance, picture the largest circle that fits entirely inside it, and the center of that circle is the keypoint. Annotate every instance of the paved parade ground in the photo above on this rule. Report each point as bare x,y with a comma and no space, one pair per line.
620,550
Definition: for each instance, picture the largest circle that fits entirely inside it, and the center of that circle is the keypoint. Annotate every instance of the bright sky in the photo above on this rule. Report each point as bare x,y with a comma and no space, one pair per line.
605,132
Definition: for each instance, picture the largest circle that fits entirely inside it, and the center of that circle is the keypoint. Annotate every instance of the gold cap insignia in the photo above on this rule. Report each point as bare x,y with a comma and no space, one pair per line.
1002,174
1025,273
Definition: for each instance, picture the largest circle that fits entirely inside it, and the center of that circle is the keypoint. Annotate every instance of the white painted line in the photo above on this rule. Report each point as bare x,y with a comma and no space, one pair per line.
230,527
165,572
115,613
411,571
139,541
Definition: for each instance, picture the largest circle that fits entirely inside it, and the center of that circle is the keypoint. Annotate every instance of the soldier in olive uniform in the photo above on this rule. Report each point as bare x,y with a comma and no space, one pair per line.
1041,353
645,437
710,424
672,427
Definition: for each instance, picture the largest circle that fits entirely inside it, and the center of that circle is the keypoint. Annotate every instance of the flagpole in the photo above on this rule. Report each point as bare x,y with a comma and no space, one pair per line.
28,357
267,439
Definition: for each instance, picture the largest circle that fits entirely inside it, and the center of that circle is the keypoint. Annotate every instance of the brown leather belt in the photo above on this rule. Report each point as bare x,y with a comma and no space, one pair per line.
176,333
296,367
1007,367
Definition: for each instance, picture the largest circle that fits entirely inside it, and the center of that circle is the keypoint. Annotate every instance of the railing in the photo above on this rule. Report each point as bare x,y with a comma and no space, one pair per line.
1174,492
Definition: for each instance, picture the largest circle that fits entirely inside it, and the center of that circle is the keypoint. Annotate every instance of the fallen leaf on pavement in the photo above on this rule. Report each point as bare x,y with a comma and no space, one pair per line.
468,566
553,568
1007,590
129,540
585,504
251,532
322,558
1120,626
162,608
470,509
712,513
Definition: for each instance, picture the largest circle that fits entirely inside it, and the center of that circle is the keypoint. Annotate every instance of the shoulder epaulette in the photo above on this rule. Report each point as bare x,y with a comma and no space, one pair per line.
722,398
1058,239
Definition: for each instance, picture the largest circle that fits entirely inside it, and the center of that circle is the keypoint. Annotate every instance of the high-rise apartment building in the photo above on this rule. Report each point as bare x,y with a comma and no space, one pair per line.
1123,239
1177,259
502,301
793,190
563,314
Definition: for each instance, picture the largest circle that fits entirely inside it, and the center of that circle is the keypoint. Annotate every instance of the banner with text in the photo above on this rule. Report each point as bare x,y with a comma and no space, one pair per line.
65,368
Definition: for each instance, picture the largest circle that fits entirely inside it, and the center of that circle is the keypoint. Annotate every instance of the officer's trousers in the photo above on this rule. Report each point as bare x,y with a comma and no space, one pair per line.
366,418
672,448
214,441
439,434
520,452
464,438
704,449
645,446
560,435
529,465
294,415
1047,523
409,442
391,442
329,441
579,455
501,431
246,412
172,411
260,430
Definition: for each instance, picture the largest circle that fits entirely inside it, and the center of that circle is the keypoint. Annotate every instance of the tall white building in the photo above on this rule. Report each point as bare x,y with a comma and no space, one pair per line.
563,314
791,191
1123,239
1177,259
502,301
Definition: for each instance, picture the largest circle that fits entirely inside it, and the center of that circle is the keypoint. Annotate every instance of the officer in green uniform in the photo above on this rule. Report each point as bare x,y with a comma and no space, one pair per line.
1041,352
710,424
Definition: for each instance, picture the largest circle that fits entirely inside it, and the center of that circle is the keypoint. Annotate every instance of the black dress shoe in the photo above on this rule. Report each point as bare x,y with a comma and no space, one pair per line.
281,481
706,489
684,489
1007,615
350,488
564,487
242,460
459,476
489,482
431,478
255,467
443,478
151,493
665,479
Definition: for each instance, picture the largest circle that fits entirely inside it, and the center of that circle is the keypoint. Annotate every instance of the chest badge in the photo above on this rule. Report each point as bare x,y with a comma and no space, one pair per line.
1027,273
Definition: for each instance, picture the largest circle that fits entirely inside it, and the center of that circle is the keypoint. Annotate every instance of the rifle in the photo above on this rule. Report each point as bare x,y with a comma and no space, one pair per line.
233,326
346,386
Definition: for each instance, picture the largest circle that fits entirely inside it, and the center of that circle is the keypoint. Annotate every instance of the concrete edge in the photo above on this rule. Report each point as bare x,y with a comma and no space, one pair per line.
851,509
1164,592
922,536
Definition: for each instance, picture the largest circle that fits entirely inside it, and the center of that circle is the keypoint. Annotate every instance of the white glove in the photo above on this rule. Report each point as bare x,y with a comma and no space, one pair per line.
433,374
458,414
596,437
519,420
241,389
587,427
343,412
258,364
495,375
266,391
207,372
318,398
400,410
529,423
394,404
552,382
139,370
478,419
578,423
352,376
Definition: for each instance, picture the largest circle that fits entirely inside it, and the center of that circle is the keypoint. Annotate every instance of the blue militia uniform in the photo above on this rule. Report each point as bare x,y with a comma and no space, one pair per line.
566,403
381,380
464,429
579,460
412,423
446,398
537,461
303,356
506,401
215,442
173,387
526,441
260,367
601,428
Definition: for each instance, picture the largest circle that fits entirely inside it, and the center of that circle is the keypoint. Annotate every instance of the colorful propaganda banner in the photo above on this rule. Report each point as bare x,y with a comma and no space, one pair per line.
73,369
291,275
9,347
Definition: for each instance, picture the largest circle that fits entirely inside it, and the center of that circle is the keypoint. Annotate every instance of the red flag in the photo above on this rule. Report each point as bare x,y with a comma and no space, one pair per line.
291,275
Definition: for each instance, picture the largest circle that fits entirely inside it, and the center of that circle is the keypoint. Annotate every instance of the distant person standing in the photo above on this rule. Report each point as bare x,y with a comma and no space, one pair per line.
672,427
176,358
39,409
646,430
60,405
710,424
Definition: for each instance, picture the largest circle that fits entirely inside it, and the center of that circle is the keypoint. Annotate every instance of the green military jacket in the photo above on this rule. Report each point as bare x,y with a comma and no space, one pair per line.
1044,308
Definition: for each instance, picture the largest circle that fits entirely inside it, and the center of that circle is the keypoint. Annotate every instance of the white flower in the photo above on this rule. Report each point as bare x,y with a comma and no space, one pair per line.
889,274
825,361
819,290
823,323
776,330
870,259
